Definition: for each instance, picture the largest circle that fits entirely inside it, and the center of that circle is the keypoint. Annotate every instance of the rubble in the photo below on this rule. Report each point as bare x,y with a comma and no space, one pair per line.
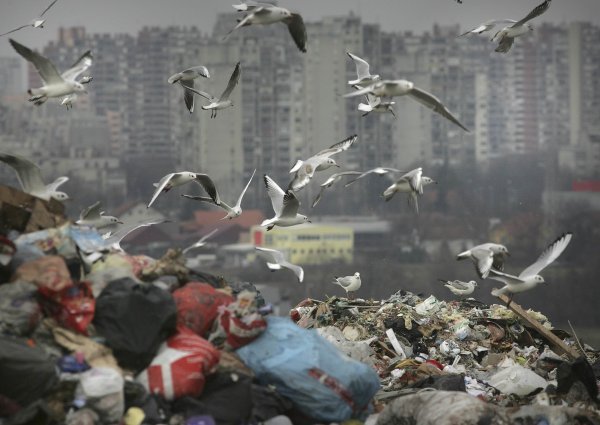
96,336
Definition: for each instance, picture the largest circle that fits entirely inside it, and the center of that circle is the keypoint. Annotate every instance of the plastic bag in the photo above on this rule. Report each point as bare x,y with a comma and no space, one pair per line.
102,390
319,379
73,307
20,312
50,272
197,306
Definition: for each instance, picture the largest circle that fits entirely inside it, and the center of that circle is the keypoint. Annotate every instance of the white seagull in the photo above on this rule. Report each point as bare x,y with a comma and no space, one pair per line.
411,183
348,283
363,75
485,257
506,36
305,170
55,84
232,212
200,242
223,101
93,217
172,180
69,99
285,205
276,261
391,88
380,171
186,80
374,104
487,26
112,240
334,178
264,14
458,287
30,177
529,278
36,23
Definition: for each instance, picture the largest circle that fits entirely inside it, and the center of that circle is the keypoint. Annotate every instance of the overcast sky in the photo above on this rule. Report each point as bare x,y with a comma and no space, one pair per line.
393,15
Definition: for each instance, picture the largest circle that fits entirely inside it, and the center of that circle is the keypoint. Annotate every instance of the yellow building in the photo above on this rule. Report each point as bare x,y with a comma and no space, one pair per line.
308,243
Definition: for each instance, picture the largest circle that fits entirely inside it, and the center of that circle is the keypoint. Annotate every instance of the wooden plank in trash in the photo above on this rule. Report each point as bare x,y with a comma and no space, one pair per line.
555,342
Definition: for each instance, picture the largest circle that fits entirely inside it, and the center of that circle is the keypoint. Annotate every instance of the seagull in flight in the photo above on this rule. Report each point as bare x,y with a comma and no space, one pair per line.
391,88
69,99
285,205
93,217
265,13
305,170
36,23
363,75
380,171
200,243
411,183
530,277
458,287
506,36
112,240
487,26
374,104
348,283
221,102
334,178
232,212
485,257
276,261
186,81
30,178
172,180
55,84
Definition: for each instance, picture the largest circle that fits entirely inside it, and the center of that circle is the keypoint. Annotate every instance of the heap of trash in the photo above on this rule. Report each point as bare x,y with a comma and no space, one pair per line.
92,335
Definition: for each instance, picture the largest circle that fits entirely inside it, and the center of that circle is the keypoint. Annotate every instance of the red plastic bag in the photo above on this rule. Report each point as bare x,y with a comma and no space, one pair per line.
197,306
180,367
73,307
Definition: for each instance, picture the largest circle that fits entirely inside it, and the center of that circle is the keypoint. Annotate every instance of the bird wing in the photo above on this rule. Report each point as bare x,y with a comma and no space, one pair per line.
338,147
122,232
487,26
413,201
384,170
363,91
46,9
362,66
200,70
92,212
435,104
160,186
46,69
505,278
297,30
318,197
28,173
251,5
537,11
298,271
208,235
413,178
373,100
290,205
275,193
239,201
200,242
296,166
504,44
206,182
52,187
188,95
16,29
81,65
483,261
207,200
233,80
550,254
271,255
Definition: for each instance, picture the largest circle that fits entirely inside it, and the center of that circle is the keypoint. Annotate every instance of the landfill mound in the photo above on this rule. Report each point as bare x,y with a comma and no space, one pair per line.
92,335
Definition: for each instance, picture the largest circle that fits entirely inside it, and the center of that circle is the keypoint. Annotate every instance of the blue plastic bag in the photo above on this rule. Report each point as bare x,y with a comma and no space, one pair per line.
320,380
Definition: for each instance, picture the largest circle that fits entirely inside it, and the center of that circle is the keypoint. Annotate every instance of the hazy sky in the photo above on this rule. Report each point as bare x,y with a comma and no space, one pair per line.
395,15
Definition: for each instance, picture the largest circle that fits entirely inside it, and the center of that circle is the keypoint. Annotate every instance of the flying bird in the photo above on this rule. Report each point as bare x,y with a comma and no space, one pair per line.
265,13
186,81
380,171
36,23
276,261
69,99
487,26
221,102
391,88
506,36
112,240
334,178
458,287
411,183
55,84
232,212
30,178
485,257
348,283
285,205
177,179
374,104
530,277
363,75
305,170
93,217
200,242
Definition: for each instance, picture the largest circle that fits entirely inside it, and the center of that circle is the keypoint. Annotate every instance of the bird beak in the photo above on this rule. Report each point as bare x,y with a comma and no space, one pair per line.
435,182
120,222
309,221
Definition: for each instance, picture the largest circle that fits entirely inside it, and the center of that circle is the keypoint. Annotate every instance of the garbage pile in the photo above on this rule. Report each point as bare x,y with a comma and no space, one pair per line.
92,335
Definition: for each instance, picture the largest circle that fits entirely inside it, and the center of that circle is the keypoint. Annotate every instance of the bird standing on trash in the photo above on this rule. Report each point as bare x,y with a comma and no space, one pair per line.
348,283
458,287
485,257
